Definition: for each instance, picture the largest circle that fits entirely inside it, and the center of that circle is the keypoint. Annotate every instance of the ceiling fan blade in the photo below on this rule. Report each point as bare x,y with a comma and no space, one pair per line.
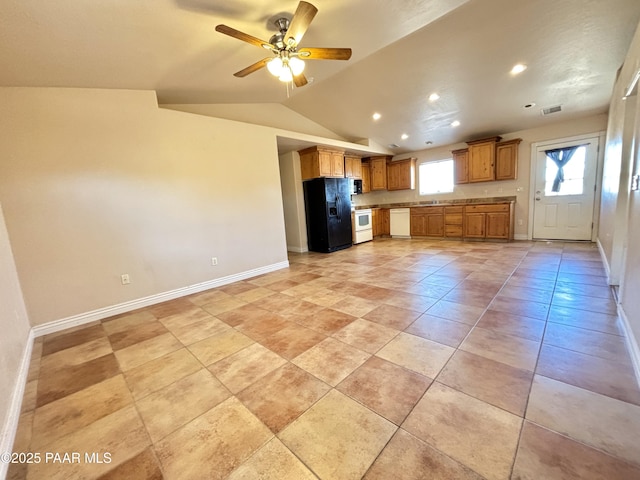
232,32
299,23
252,68
325,53
300,80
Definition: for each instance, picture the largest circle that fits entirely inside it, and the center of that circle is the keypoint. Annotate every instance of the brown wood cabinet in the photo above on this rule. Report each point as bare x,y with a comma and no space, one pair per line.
507,159
486,160
321,162
401,174
460,166
381,221
427,221
352,166
482,158
453,220
378,167
366,177
494,221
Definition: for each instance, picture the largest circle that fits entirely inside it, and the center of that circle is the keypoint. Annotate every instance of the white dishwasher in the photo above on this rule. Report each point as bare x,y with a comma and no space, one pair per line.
399,222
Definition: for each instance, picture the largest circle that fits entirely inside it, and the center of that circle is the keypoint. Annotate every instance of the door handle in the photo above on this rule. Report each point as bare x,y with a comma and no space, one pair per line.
537,199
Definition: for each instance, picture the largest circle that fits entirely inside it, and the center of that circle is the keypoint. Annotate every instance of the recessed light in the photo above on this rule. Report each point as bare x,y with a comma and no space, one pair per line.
518,68
404,136
433,97
376,116
455,123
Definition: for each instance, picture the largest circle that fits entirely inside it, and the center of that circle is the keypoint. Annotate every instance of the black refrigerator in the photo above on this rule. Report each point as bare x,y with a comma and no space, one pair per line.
328,210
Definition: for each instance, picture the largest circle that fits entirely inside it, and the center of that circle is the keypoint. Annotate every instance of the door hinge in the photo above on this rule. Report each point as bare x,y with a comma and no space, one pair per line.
591,225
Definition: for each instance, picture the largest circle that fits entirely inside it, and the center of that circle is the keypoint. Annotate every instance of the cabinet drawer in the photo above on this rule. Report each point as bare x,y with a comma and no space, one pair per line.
427,210
453,219
502,207
448,210
453,230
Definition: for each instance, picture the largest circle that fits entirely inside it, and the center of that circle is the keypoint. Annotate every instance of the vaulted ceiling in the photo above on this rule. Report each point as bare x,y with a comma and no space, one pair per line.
403,51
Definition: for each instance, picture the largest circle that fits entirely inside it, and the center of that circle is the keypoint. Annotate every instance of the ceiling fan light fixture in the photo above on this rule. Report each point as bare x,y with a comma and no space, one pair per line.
286,75
297,65
275,66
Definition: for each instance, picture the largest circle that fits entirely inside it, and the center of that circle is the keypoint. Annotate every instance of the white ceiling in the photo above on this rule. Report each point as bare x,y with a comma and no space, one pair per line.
402,52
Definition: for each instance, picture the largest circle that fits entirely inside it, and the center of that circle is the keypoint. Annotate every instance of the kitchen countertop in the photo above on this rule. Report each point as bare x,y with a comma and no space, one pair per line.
427,203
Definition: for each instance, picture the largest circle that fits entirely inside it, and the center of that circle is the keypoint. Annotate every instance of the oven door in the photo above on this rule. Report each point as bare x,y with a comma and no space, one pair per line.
363,220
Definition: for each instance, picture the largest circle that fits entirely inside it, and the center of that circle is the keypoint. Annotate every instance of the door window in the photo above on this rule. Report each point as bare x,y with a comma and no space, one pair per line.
574,170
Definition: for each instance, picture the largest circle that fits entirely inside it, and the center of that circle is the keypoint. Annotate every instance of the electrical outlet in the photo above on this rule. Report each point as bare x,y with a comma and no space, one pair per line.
214,261
635,183
124,278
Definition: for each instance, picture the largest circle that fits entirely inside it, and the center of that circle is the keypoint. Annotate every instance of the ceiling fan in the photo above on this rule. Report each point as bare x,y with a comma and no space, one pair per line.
288,62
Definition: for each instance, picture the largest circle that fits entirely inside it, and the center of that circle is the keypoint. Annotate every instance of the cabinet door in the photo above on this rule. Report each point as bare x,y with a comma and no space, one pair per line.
366,177
474,225
460,166
481,162
417,225
385,221
352,167
435,225
324,164
375,218
497,225
379,173
356,167
337,164
507,160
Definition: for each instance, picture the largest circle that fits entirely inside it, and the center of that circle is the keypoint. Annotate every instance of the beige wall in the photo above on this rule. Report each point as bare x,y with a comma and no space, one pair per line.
97,183
293,202
14,326
519,188
620,225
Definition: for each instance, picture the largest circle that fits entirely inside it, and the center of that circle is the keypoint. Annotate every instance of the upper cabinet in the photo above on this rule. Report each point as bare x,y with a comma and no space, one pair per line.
401,174
321,162
482,159
352,166
366,177
461,166
507,159
378,166
486,160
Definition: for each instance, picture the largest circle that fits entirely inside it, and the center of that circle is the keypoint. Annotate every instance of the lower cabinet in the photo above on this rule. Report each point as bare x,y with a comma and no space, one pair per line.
474,221
494,221
427,222
380,221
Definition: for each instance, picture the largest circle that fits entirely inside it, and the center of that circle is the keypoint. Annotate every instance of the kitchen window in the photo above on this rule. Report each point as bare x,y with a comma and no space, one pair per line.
436,177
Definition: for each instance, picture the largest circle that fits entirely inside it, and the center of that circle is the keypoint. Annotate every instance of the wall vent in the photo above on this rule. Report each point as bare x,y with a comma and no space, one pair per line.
550,110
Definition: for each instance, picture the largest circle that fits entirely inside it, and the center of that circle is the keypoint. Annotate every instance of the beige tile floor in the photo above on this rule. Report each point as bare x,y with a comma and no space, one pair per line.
395,359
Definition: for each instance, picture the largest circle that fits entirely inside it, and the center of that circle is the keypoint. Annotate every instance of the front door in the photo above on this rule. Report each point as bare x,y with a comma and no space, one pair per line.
563,204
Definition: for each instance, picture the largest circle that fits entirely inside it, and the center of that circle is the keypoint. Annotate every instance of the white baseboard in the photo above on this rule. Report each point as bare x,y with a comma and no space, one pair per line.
520,236
605,262
297,249
631,341
10,426
99,314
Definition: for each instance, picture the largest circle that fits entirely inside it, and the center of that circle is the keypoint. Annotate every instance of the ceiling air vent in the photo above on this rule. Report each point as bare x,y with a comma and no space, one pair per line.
393,145
550,110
